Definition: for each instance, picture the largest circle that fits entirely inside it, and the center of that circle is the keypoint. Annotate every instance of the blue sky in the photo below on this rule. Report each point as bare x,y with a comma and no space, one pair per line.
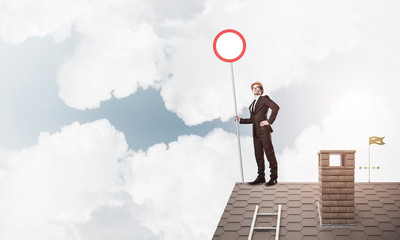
116,110
31,89
36,106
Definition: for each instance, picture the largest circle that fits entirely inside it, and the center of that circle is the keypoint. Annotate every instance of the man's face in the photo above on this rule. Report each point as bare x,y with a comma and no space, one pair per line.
256,90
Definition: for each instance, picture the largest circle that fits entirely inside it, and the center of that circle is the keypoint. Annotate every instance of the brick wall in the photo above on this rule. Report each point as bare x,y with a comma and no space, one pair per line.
336,187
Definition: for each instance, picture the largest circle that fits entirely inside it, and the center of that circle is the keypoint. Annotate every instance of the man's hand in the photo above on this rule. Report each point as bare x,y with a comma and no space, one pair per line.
237,118
264,123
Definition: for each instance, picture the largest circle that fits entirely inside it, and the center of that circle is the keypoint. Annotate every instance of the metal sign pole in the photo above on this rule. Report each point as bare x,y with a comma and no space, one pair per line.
237,124
369,165
231,60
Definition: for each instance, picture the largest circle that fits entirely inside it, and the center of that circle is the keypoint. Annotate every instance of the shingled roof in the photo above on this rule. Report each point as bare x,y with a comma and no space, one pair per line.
377,212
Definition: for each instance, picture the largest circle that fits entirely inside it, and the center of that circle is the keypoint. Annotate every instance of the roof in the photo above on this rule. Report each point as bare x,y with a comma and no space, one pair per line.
377,212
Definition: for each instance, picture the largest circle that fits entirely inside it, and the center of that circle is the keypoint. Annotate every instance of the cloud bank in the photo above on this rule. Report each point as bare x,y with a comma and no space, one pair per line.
85,182
352,119
187,182
125,45
68,179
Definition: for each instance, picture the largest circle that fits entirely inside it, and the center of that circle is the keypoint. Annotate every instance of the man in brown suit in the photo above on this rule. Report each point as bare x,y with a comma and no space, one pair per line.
262,133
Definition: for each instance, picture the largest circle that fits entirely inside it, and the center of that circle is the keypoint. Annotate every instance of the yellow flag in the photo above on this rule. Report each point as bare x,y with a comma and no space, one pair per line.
376,140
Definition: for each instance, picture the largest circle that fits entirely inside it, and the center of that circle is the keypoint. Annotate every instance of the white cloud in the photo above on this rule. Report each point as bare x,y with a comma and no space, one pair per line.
182,179
116,222
114,61
84,182
23,18
120,51
116,52
282,40
67,184
63,180
351,120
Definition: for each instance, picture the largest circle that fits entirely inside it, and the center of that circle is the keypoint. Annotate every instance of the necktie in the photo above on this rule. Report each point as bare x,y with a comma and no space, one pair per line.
253,105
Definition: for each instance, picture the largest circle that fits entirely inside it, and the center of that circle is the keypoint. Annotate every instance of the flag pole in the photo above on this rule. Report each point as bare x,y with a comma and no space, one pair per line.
237,124
369,166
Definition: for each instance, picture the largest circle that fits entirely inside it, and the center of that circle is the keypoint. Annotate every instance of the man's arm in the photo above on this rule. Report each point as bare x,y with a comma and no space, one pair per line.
274,109
244,120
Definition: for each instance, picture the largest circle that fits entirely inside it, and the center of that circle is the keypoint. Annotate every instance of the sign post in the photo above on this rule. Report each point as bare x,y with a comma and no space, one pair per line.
222,45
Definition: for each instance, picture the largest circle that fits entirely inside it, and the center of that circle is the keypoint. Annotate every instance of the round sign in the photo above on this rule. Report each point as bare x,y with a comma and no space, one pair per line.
229,45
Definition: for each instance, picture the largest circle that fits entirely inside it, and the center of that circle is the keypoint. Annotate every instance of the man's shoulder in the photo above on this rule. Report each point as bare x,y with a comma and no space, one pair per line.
264,97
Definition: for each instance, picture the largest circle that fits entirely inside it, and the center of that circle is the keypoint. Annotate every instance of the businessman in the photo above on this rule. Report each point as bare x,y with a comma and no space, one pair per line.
262,133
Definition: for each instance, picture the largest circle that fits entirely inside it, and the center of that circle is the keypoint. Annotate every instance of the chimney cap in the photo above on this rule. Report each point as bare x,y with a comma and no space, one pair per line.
336,151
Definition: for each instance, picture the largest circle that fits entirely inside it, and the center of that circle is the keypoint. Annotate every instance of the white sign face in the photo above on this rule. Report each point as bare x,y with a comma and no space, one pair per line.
229,45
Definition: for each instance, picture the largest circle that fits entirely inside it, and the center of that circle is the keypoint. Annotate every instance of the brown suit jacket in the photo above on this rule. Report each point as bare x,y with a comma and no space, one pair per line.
260,113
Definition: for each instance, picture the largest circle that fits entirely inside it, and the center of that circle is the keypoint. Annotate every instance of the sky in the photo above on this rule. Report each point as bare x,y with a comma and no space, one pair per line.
117,117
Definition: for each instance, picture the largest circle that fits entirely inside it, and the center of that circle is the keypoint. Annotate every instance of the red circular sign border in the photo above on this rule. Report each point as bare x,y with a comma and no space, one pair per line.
215,45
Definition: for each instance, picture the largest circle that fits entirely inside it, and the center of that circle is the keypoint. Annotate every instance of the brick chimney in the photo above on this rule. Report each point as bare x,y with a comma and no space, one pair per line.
336,187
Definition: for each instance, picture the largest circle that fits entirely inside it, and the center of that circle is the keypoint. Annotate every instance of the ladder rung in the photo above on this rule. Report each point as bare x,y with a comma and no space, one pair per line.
264,228
267,214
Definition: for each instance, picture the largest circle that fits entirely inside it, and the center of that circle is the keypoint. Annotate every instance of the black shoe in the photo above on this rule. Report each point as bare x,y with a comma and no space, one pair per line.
258,180
272,182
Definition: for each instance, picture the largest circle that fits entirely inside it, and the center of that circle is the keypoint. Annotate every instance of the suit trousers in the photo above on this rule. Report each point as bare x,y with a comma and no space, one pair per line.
263,143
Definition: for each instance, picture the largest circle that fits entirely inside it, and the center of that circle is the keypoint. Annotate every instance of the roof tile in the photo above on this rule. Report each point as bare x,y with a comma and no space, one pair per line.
232,226
341,231
326,235
267,204
387,200
391,235
246,222
294,218
394,215
386,227
393,192
363,207
375,204
309,231
370,222
294,211
390,207
294,204
306,188
396,222
294,235
309,214
244,231
256,194
281,188
357,235
294,197
373,231
382,218
309,222
229,235
239,204
309,207
294,226
280,200
255,200
240,211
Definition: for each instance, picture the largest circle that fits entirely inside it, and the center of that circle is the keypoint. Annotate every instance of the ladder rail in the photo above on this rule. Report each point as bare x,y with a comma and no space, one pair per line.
278,222
253,223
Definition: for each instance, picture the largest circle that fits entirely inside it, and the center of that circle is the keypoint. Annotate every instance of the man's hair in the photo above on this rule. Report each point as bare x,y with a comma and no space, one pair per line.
259,84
